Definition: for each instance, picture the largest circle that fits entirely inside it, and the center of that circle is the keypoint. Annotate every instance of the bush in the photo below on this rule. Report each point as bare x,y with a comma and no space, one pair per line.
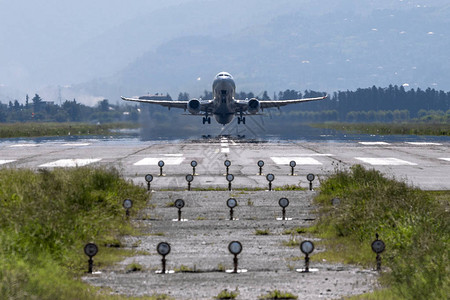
47,217
414,226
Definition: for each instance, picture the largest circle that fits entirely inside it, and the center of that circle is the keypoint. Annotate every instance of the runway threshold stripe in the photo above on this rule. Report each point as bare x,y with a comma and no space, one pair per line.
386,161
373,143
70,163
298,160
153,161
5,161
23,145
76,144
424,144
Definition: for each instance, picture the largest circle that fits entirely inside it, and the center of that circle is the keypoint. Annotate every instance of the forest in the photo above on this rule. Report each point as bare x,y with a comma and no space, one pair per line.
375,104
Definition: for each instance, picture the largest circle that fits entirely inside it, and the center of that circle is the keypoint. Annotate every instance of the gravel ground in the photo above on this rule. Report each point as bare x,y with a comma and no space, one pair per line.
199,245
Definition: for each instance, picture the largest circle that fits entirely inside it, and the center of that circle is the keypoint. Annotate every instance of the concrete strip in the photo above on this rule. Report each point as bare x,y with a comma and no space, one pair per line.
153,161
387,161
69,163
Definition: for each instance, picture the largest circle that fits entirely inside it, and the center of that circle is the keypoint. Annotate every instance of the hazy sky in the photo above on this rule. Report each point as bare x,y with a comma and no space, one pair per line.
45,44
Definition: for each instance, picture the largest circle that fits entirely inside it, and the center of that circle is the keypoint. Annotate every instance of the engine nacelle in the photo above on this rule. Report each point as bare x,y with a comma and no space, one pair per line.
253,106
194,106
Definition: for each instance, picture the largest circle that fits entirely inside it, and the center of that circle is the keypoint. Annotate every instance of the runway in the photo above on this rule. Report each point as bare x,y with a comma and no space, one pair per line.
425,164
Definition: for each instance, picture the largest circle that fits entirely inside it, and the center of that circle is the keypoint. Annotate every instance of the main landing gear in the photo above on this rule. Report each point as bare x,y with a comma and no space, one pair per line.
241,120
207,120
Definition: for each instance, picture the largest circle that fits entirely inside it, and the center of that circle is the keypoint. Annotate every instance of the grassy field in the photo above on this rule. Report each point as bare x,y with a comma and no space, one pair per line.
46,219
414,224
441,129
16,130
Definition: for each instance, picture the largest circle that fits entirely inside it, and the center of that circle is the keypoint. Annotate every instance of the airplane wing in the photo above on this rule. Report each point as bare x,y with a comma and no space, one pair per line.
166,103
204,104
278,103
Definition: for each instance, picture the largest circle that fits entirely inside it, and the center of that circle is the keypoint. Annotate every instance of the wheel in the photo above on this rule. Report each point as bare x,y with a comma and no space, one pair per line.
239,120
209,120
243,120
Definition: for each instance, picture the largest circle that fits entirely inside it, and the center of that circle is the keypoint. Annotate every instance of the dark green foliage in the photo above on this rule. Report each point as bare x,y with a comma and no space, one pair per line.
68,111
35,129
410,128
277,294
46,219
414,226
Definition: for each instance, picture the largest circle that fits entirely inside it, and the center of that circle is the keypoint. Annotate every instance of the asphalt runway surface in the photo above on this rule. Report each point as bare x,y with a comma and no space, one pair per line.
199,243
425,164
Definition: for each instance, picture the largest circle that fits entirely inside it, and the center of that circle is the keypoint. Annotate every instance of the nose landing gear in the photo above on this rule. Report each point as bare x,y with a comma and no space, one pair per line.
207,120
241,120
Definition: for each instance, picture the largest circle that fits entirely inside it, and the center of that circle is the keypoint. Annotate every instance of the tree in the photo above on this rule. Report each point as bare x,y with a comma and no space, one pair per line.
103,105
183,97
37,103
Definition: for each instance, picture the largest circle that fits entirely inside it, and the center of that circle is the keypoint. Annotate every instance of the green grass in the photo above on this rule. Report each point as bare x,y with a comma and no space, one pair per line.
46,219
134,267
296,230
226,294
414,224
292,242
277,294
15,130
408,128
288,187
262,232
184,269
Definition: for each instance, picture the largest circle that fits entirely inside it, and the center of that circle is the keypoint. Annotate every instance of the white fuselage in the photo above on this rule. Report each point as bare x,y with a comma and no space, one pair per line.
224,90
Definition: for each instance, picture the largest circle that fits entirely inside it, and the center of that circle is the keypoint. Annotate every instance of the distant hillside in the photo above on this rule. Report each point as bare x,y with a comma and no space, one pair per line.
111,48
338,50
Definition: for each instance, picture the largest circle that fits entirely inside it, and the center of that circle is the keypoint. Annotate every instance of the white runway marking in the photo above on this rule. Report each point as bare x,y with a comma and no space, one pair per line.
313,154
153,161
76,144
298,160
70,163
445,158
23,145
373,143
386,161
225,150
424,144
3,161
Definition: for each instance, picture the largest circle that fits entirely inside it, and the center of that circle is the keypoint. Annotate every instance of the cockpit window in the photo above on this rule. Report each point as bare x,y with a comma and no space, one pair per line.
224,75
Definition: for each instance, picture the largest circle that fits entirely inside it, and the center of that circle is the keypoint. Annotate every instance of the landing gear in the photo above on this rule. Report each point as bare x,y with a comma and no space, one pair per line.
241,120
207,120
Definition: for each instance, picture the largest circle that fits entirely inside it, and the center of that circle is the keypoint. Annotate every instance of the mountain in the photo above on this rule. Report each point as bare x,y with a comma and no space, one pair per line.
338,49
103,49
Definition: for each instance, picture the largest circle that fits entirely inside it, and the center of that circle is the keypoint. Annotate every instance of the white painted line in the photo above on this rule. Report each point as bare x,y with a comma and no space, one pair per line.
424,144
225,150
173,155
23,145
70,163
298,160
386,161
445,158
373,143
153,161
224,144
76,144
312,154
5,161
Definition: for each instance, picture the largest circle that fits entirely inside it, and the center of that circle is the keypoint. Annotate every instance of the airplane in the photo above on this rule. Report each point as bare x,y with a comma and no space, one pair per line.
223,106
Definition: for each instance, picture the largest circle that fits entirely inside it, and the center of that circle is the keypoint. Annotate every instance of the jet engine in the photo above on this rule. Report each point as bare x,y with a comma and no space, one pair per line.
193,106
253,106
